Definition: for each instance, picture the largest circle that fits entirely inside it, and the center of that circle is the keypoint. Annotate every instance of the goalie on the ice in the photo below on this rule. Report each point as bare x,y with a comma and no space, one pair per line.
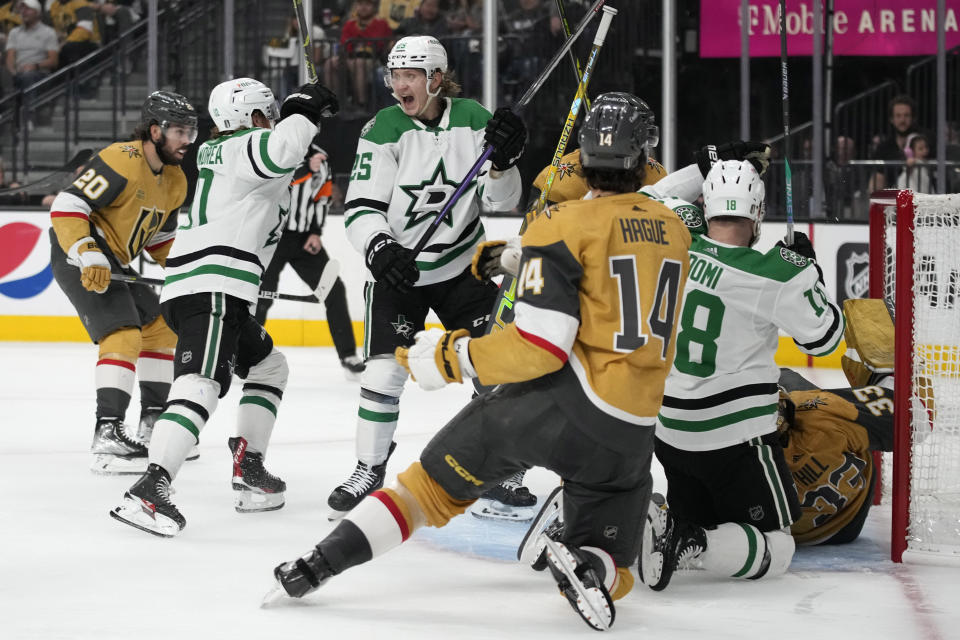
563,364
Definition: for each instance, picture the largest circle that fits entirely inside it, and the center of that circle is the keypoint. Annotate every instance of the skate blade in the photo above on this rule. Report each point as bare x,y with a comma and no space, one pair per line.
494,510
333,515
106,464
592,603
552,509
194,453
132,512
253,501
274,597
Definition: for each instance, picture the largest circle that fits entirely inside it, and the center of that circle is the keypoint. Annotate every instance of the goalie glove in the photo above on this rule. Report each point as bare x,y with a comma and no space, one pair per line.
94,266
757,153
437,358
496,258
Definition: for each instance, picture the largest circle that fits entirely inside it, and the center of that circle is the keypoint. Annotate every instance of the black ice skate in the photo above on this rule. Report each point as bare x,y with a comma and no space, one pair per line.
362,482
299,577
667,542
148,417
509,500
580,577
146,505
550,521
353,366
114,452
258,489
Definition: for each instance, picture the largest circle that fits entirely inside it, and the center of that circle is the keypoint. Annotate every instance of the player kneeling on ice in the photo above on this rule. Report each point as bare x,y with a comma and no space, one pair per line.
730,494
212,278
565,366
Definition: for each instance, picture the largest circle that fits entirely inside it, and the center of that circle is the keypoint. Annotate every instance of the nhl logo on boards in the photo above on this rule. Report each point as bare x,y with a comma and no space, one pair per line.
756,513
610,532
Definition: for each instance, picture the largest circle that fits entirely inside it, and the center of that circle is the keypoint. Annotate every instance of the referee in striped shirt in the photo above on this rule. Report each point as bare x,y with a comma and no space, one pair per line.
301,248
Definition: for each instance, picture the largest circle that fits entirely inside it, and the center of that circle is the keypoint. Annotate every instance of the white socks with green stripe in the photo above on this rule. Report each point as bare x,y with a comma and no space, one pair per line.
743,551
191,402
262,392
376,423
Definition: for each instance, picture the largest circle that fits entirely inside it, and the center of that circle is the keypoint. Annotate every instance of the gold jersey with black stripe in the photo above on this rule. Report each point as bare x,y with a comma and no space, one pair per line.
827,447
569,183
597,302
119,196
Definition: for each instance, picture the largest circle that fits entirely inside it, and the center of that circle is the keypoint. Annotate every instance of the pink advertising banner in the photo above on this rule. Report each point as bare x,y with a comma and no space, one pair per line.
861,27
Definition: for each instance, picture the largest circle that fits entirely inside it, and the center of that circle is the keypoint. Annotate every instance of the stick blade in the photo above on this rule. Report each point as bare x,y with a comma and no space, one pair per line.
327,279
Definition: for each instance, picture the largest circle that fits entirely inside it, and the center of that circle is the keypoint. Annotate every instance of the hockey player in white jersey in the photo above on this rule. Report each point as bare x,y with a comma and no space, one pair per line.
410,159
730,497
212,279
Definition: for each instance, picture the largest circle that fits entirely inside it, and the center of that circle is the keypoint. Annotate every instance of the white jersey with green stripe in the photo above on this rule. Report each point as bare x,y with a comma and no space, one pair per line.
722,388
239,207
404,173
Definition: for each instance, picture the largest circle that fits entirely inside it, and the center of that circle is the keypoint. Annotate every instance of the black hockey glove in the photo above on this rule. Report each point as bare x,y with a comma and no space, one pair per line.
507,134
757,153
392,263
314,101
802,246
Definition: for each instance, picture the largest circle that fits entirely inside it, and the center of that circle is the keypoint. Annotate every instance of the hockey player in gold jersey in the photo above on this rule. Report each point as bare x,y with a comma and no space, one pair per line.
124,202
597,303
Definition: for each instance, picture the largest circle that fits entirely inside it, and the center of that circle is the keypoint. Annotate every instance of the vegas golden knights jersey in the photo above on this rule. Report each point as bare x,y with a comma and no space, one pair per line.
130,207
828,449
597,301
569,183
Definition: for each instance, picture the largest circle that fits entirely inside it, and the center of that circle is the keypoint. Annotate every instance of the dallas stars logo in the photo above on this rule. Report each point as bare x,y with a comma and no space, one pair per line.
403,326
130,150
274,235
428,198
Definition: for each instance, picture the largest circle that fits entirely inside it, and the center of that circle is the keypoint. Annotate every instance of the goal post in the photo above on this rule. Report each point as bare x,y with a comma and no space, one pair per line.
915,268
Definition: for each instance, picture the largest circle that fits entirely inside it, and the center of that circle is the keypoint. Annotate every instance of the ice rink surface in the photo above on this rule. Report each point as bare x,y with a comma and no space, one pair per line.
69,571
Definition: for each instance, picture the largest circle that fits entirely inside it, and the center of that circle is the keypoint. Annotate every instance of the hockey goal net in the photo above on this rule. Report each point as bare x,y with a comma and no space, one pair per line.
915,268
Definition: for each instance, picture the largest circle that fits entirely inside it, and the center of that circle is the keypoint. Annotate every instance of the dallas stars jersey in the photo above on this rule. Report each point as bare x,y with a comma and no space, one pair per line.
239,207
403,174
569,183
130,207
722,388
828,450
597,299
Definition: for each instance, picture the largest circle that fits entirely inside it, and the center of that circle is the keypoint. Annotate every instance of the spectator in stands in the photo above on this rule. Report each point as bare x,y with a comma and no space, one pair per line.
364,40
427,21
841,184
117,16
8,20
396,11
282,55
915,174
901,112
528,29
466,17
78,30
32,48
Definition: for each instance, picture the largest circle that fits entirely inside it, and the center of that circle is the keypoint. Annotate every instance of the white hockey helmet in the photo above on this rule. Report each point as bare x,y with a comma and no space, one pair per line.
233,102
733,188
417,52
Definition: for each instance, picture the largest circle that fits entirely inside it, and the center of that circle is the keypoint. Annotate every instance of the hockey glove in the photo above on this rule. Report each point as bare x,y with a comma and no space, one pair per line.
94,266
314,101
437,358
392,263
507,134
757,153
496,258
802,246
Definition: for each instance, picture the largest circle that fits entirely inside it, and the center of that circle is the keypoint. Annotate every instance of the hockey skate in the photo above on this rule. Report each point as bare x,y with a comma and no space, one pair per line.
146,505
114,452
667,543
362,482
258,489
353,366
145,431
509,500
580,577
548,521
299,577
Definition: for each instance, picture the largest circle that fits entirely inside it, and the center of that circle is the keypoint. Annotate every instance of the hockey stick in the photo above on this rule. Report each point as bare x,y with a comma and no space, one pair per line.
519,107
577,71
54,181
306,40
788,175
327,280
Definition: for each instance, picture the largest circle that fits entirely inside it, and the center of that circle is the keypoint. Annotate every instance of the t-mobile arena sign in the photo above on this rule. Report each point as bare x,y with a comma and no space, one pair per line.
861,27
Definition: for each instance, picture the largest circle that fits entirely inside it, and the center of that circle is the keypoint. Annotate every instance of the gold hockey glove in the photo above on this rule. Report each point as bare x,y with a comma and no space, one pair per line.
437,358
94,266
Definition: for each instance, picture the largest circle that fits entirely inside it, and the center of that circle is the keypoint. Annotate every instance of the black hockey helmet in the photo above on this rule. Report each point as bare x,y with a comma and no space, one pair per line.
167,107
617,133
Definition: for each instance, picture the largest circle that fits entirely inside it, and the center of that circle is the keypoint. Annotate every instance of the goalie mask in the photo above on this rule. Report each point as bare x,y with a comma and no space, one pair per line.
417,52
617,133
233,102
733,188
